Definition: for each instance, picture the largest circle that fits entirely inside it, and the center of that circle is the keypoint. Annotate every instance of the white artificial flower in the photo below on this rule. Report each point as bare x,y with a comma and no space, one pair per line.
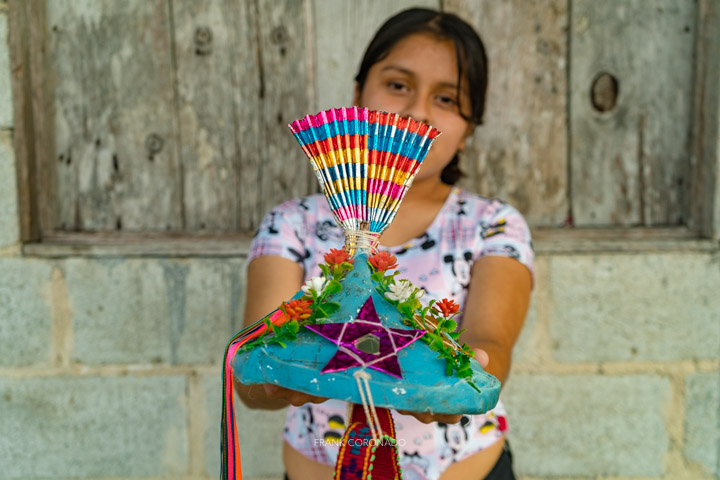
400,291
419,293
315,283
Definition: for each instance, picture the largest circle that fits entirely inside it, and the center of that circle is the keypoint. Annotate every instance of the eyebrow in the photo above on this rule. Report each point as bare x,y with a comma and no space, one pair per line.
410,73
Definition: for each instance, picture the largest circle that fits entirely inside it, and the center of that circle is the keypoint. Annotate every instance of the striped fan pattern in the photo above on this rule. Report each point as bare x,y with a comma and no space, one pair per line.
365,161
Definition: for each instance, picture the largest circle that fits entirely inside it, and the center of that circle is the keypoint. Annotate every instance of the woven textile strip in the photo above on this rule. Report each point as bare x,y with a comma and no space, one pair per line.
361,457
229,446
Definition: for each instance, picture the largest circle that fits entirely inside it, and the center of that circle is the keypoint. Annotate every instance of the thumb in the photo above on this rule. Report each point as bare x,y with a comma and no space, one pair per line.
481,356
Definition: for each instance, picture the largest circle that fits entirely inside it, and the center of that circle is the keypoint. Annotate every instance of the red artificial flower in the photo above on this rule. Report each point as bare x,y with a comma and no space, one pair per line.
447,307
297,309
382,261
337,257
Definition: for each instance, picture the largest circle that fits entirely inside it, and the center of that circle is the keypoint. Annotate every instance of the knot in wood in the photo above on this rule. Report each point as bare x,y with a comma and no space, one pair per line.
203,40
604,92
154,144
279,35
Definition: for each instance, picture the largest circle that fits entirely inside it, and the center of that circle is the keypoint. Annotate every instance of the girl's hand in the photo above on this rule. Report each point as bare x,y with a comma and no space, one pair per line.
295,398
425,417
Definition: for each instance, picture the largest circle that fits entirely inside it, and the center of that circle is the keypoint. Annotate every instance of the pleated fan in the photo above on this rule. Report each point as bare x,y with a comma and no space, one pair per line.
365,161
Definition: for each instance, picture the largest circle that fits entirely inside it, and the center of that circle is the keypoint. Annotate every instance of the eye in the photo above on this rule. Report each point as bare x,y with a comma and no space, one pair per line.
446,100
397,86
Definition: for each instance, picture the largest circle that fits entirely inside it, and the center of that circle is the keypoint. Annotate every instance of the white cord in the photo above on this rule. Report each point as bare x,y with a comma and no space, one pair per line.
372,420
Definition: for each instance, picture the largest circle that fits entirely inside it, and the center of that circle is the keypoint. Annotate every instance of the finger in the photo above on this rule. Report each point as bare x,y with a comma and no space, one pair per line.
481,356
449,419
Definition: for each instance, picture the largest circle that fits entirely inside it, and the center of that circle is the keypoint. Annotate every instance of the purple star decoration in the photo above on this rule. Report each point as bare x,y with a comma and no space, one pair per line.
366,342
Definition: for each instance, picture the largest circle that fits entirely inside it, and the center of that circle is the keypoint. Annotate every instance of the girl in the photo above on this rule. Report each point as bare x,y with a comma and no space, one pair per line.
432,66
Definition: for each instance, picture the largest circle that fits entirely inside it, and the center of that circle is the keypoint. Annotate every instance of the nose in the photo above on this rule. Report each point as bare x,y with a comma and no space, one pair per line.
418,108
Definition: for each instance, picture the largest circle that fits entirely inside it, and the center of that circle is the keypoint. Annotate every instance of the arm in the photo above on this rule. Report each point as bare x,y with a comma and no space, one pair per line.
270,281
497,301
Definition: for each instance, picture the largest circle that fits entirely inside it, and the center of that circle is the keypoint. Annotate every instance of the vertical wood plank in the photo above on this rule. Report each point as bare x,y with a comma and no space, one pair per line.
41,100
23,135
114,101
705,198
343,30
247,99
285,74
520,153
630,164
206,54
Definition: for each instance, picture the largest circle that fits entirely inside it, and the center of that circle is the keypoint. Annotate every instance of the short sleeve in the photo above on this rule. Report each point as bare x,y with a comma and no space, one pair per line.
283,233
502,231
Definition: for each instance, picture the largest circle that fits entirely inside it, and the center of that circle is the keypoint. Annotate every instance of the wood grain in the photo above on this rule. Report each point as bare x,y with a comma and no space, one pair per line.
630,165
705,199
24,130
285,171
206,53
520,153
111,71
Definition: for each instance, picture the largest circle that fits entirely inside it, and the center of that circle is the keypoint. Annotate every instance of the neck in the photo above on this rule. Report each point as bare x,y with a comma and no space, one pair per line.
428,189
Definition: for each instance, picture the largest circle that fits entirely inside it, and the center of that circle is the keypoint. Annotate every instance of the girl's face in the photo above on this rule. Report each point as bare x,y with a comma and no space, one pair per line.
419,78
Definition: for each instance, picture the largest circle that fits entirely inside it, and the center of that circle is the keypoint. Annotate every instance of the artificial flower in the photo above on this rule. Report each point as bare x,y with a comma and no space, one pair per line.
297,309
383,261
315,283
337,257
400,291
447,307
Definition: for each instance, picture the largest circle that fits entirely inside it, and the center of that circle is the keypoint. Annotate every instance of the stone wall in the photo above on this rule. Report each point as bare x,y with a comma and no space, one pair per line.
110,367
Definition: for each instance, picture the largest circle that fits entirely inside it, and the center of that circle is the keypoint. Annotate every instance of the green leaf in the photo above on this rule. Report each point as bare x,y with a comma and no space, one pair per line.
378,277
406,309
327,309
450,325
332,288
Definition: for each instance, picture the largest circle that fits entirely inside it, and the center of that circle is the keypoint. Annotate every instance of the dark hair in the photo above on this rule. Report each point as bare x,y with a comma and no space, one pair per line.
471,60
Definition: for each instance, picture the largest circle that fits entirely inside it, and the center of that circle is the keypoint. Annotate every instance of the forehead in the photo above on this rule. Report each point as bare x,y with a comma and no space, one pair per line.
424,54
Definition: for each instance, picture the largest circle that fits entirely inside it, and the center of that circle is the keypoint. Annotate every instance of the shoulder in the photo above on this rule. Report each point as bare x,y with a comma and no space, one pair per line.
475,211
311,204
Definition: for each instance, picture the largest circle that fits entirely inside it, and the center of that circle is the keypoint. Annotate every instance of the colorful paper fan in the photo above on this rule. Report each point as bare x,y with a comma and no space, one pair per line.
357,333
365,161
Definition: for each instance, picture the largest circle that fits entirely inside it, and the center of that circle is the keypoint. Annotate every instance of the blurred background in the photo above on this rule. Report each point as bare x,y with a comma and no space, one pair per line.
141,142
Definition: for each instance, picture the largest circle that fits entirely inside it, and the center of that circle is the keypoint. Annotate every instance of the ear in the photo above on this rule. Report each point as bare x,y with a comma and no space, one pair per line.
470,129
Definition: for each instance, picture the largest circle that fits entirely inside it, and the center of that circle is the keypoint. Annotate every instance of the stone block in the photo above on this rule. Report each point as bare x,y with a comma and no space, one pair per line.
121,311
147,310
702,420
259,435
25,314
6,108
526,350
652,307
80,427
9,227
207,307
588,426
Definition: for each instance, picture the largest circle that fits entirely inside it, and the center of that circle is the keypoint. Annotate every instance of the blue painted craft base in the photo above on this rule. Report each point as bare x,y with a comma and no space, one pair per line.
424,387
